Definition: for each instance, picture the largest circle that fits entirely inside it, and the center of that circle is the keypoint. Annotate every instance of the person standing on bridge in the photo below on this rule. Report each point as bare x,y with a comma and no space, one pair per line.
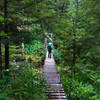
50,47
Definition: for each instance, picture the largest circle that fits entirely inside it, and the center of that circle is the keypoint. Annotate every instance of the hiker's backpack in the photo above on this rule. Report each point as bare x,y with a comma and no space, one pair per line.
50,46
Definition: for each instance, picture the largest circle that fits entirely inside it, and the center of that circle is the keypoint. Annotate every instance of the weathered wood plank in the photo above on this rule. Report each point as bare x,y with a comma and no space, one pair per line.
57,97
57,94
51,74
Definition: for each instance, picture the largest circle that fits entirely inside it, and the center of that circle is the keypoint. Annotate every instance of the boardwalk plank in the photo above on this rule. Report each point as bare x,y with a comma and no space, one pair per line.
58,97
51,74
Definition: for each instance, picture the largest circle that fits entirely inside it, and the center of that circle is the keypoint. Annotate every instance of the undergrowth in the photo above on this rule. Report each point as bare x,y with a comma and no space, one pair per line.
22,83
83,84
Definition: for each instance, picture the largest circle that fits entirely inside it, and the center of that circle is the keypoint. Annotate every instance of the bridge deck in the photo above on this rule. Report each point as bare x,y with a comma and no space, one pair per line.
51,74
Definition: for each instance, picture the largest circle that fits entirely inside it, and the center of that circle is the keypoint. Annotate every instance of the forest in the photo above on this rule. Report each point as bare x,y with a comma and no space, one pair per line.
75,29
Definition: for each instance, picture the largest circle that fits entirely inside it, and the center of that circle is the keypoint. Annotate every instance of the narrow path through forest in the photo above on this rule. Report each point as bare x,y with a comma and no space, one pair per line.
52,76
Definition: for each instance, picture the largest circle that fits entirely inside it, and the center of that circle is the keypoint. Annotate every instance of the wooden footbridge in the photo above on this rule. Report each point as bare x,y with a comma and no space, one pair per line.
51,74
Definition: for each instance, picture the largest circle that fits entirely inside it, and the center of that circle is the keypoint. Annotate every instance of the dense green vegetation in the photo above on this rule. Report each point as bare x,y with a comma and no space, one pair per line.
23,80
75,25
77,39
22,83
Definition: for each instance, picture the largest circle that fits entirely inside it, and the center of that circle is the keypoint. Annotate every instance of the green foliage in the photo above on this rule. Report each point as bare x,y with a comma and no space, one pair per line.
36,48
63,18
77,89
16,53
1,19
35,52
57,55
5,97
3,34
36,27
23,83
82,84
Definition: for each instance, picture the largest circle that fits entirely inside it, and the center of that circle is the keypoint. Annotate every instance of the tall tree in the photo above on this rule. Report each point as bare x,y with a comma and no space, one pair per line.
0,54
74,31
6,31
1,33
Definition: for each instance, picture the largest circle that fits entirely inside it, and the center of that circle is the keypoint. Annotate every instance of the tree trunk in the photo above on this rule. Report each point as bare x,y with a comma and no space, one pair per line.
0,55
74,49
6,31
75,27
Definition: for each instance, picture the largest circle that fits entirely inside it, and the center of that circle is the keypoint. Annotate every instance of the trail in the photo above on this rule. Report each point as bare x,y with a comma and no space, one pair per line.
51,74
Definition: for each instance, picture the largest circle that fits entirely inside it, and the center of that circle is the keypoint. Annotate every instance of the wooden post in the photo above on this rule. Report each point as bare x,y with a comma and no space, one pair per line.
22,48
22,44
45,43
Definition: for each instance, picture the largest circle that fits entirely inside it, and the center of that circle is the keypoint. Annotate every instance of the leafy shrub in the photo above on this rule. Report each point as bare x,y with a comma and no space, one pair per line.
36,59
35,52
57,55
82,85
36,48
86,74
24,83
77,90
5,97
